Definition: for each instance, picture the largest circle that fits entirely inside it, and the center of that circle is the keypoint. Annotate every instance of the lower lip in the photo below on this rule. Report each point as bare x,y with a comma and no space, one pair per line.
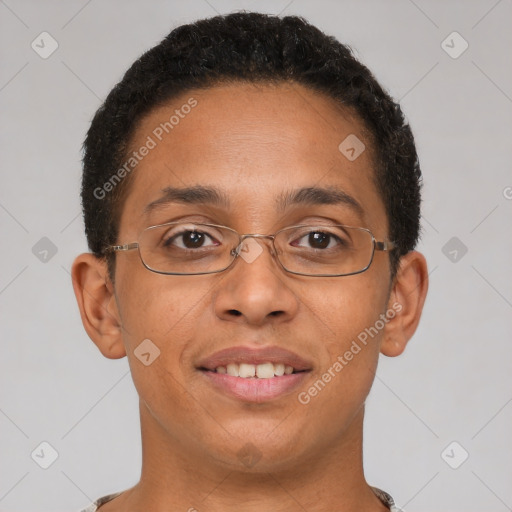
254,389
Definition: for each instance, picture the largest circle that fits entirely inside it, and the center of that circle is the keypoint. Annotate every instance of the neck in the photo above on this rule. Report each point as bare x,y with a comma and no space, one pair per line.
171,476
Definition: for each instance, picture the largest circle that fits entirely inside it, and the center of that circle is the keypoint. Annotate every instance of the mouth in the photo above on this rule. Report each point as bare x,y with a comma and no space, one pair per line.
258,371
254,375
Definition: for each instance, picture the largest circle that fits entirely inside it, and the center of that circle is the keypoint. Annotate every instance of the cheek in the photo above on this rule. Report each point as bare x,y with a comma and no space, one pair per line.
160,316
162,309
345,307
348,313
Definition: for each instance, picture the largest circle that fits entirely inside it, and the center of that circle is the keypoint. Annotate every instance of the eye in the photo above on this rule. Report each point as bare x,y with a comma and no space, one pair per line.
190,239
319,240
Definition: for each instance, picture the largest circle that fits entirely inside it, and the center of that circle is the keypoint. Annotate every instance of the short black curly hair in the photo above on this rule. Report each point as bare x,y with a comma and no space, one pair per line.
249,47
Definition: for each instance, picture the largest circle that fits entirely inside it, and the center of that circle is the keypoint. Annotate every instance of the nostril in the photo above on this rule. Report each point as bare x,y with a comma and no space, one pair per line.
235,312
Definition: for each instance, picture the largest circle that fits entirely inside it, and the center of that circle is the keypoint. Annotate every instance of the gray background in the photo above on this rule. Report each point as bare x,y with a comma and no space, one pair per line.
453,383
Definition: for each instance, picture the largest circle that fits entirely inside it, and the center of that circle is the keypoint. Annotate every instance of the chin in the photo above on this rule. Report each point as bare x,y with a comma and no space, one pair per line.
257,453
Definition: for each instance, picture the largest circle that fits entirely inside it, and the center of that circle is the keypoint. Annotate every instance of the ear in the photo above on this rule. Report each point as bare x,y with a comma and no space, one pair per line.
406,300
97,302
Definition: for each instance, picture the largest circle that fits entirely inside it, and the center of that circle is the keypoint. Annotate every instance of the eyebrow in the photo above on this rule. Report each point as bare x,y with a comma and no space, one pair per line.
319,196
200,194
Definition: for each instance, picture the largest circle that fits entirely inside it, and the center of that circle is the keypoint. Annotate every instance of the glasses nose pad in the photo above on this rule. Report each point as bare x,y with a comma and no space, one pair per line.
235,252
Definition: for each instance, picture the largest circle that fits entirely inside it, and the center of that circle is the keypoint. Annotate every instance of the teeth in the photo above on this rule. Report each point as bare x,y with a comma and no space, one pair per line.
261,371
232,369
246,370
279,369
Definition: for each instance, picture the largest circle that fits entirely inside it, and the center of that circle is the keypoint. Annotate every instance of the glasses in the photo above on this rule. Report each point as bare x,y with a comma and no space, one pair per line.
185,248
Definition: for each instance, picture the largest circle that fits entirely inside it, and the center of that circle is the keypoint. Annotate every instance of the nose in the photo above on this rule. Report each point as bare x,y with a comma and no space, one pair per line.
255,290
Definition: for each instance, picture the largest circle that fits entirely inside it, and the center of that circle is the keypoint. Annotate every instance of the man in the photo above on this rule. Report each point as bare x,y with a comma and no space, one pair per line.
251,199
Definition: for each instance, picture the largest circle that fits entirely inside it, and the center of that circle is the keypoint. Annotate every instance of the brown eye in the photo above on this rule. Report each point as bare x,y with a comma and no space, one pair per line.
190,240
193,239
319,240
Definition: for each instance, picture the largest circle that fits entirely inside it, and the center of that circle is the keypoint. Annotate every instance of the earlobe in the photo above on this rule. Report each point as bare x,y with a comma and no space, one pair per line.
407,298
97,303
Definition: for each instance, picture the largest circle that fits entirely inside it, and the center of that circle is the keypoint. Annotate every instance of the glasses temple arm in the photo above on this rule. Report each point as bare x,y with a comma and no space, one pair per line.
384,246
125,247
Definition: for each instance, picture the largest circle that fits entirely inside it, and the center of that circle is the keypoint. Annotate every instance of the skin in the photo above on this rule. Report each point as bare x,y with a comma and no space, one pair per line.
252,142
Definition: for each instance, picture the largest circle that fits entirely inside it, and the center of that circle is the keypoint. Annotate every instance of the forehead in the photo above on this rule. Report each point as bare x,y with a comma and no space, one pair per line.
255,145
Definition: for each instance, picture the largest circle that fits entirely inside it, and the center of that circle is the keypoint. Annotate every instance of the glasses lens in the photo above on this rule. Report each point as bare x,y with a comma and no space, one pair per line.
187,248
325,250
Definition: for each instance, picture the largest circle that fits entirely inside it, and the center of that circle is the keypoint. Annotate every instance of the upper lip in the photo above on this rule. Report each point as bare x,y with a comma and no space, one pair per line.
254,356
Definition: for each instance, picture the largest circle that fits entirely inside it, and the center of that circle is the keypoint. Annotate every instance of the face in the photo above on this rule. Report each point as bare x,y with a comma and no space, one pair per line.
254,145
